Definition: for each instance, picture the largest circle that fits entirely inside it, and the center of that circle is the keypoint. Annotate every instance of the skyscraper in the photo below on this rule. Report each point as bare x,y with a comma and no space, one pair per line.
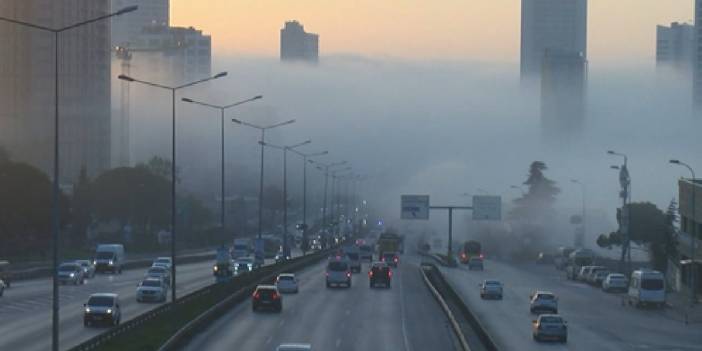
674,46
298,45
563,82
151,12
27,85
697,66
551,24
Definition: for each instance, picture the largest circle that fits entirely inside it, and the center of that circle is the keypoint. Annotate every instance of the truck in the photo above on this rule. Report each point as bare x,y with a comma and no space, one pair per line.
388,242
470,248
109,257
223,269
578,259
241,248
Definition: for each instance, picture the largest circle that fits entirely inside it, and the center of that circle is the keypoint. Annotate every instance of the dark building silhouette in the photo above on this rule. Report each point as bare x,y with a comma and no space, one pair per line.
697,65
563,82
675,46
298,45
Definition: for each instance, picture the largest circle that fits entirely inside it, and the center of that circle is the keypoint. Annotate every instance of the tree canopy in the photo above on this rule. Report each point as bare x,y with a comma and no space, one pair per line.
540,197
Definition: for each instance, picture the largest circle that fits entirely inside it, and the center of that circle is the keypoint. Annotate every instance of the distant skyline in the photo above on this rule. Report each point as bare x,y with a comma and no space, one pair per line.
419,29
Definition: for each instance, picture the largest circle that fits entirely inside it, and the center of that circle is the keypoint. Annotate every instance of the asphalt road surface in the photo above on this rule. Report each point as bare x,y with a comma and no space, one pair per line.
404,318
596,320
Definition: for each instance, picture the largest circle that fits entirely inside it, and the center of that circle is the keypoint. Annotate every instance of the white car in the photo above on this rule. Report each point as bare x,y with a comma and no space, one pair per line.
152,289
165,262
287,283
159,272
294,347
615,282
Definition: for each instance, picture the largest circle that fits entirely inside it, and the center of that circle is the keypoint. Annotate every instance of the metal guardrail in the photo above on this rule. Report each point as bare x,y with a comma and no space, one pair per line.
235,285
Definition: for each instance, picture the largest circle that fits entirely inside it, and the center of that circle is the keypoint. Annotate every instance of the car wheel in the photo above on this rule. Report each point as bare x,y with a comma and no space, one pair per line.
564,339
482,296
328,285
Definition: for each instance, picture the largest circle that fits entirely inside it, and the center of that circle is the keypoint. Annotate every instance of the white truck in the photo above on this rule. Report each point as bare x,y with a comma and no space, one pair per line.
241,248
109,257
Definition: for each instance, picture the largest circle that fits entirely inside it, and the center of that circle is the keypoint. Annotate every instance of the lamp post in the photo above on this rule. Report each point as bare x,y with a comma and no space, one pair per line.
325,168
584,213
285,149
173,90
625,194
305,159
693,234
222,108
335,196
263,130
55,216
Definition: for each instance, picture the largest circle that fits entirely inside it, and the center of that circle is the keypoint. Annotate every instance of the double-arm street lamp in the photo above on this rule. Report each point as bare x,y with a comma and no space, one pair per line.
335,196
222,108
263,130
55,220
285,149
305,159
693,234
325,168
625,194
173,90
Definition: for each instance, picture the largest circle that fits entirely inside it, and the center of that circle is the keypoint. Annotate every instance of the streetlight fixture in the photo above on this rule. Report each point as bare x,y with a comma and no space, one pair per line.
285,149
325,168
305,159
584,213
173,90
262,142
55,220
222,108
693,234
625,194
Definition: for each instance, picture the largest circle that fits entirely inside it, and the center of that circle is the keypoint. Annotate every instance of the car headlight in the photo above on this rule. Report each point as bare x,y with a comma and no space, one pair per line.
87,310
109,311
110,262
215,268
94,261
72,275
250,265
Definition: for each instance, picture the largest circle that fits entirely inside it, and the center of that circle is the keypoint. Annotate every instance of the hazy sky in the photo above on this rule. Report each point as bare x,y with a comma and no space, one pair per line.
418,29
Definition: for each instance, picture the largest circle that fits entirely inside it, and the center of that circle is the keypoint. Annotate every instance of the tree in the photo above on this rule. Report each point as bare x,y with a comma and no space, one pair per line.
161,167
273,202
25,209
539,199
81,206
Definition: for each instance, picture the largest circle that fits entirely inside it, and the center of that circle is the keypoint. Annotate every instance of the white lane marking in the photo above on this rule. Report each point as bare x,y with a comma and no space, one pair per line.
403,316
338,343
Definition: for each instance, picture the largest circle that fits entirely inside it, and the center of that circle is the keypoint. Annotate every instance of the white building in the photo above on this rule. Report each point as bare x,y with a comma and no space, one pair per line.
27,86
551,24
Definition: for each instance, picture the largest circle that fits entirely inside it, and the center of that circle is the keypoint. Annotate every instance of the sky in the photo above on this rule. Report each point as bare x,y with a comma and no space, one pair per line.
485,30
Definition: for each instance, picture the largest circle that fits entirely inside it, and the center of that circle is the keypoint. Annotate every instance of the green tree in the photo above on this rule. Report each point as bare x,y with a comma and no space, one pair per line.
539,199
161,167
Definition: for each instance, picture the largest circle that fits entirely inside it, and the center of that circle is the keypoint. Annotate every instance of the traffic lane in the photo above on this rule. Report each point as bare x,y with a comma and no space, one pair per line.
405,317
596,320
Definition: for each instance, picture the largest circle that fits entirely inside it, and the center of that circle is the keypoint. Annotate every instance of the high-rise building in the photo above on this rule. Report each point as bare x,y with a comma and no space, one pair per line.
298,45
563,82
27,85
697,66
674,46
551,24
151,12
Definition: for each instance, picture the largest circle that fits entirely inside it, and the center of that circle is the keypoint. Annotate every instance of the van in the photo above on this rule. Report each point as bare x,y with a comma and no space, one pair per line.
646,287
5,274
109,257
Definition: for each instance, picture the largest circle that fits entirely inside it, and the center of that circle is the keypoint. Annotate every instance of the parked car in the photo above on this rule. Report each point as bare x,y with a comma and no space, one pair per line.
70,272
543,301
491,288
584,272
592,273
287,283
102,308
615,282
550,327
600,277
646,287
88,268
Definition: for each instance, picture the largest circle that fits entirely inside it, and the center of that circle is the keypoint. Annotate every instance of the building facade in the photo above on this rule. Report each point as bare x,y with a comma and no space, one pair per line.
680,269
674,46
697,66
298,45
27,86
551,24
151,12
563,91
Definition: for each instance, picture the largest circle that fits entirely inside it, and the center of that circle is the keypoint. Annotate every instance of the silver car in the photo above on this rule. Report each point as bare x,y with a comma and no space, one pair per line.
550,327
491,289
159,272
71,273
543,301
152,289
338,273
88,268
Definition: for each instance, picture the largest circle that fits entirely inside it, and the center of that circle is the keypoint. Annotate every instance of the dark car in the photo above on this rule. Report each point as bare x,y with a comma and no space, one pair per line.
391,258
267,296
102,308
380,273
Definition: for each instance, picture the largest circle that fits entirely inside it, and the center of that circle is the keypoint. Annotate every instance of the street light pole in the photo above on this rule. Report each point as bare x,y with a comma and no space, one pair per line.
222,108
325,168
584,213
304,193
173,90
55,215
625,182
693,234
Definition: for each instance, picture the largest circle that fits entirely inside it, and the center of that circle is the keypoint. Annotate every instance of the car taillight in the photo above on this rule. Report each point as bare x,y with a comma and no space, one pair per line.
389,273
482,256
395,259
370,273
463,255
257,295
275,296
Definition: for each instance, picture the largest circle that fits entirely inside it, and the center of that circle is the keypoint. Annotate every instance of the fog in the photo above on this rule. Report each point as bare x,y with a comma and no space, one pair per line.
441,128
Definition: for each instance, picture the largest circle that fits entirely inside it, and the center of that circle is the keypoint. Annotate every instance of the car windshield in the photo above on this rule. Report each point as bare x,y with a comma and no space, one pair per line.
104,255
67,268
337,266
163,261
151,283
101,301
652,284
551,320
545,297
157,270
492,282
286,278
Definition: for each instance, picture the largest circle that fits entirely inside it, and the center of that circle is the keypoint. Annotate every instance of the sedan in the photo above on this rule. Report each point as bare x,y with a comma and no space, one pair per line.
550,327
491,288
71,273
88,268
159,272
287,283
152,289
615,282
267,296
543,301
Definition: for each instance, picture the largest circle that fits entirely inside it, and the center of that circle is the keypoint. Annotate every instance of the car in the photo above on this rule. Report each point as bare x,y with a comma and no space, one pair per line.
600,277
164,262
592,273
70,272
391,258
615,282
354,261
550,327
266,296
88,268
280,257
243,265
379,273
159,272
646,287
545,258
102,308
475,263
2,287
366,252
287,283
491,288
583,273
294,347
338,273
5,274
543,301
152,289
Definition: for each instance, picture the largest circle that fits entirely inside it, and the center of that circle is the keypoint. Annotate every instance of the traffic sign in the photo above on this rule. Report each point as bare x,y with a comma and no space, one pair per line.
486,207
415,207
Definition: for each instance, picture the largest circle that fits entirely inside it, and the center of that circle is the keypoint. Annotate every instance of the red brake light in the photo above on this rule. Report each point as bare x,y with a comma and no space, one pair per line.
463,255
396,259
348,274
370,273
257,295
482,256
275,296
389,273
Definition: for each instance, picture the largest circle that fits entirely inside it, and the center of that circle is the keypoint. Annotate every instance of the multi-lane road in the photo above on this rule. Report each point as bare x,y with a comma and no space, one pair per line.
596,320
404,318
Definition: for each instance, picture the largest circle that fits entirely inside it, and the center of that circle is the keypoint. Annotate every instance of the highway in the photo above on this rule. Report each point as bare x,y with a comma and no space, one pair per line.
405,317
596,320
25,309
